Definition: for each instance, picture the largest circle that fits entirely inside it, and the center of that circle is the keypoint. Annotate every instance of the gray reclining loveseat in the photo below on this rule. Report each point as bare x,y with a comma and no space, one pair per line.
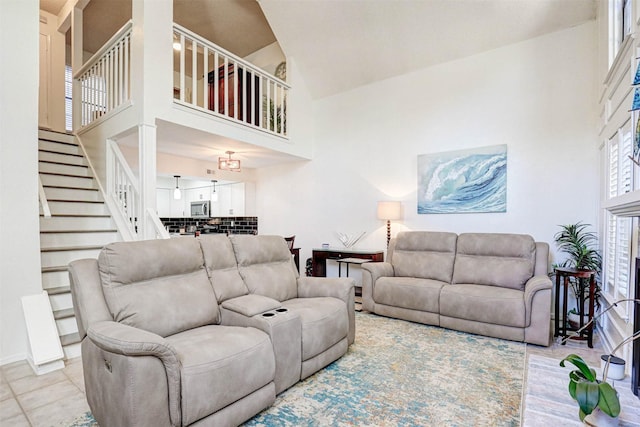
485,283
202,331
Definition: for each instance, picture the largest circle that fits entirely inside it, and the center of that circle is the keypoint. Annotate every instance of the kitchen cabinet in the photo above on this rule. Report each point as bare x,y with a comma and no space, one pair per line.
231,198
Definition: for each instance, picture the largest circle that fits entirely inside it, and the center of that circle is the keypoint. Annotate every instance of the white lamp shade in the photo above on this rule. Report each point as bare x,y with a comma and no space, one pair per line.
177,194
214,196
389,210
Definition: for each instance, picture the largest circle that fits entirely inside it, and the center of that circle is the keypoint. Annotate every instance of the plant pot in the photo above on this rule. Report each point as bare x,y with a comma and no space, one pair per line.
599,419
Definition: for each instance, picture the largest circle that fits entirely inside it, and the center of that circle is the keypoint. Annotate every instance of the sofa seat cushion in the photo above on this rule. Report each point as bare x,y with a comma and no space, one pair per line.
325,322
221,364
408,292
480,303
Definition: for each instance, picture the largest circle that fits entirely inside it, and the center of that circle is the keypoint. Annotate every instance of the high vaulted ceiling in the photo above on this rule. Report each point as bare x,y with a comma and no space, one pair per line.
339,45
237,25
343,44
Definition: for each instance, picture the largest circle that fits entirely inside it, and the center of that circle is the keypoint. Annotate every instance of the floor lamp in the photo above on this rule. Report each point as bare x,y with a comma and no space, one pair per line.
389,211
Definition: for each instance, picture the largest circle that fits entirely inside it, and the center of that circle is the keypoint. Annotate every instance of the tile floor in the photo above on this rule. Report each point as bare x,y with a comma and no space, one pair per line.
57,398
53,399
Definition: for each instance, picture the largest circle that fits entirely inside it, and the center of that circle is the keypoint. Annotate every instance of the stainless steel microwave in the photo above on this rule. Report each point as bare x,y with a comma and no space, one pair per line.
201,209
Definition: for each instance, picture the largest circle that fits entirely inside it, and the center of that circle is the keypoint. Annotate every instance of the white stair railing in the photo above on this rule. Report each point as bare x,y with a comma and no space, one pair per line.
105,79
124,199
229,86
161,232
122,189
42,197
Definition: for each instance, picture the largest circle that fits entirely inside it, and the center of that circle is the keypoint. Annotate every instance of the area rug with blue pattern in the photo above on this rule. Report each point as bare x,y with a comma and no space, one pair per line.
402,373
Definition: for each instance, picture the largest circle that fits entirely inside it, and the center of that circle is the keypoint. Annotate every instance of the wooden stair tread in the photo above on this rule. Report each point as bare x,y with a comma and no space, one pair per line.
58,152
62,163
54,268
79,215
75,201
66,175
58,290
110,230
72,144
70,188
63,314
69,339
70,248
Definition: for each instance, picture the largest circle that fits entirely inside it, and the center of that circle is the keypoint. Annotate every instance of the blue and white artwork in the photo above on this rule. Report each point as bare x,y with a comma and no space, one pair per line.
464,181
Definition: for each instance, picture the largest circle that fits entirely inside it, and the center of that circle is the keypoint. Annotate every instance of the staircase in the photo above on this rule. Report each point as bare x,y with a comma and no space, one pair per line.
79,226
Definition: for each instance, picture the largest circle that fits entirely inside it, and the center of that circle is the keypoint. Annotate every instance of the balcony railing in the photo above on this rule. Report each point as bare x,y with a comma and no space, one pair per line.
213,80
105,80
123,197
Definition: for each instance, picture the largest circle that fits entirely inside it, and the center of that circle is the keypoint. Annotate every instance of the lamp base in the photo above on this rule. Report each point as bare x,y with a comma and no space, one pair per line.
388,232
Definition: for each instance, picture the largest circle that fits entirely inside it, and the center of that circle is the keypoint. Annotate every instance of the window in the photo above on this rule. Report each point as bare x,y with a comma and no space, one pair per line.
620,23
618,258
626,19
620,166
68,90
618,229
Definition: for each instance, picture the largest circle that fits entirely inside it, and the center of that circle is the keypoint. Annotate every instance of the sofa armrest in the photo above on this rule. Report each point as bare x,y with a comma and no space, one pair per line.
342,288
378,269
126,340
251,304
372,271
534,285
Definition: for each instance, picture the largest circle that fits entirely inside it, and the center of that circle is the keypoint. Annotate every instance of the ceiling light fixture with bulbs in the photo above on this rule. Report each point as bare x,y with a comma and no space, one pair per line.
177,194
214,195
229,164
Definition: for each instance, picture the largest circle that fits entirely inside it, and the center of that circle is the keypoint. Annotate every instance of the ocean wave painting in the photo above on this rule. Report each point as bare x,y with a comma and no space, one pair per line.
463,181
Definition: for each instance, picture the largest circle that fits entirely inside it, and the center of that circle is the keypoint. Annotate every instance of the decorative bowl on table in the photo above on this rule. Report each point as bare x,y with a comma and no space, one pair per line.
350,239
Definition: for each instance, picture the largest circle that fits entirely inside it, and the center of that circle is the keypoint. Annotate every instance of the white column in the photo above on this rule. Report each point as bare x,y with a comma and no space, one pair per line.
152,57
151,88
148,171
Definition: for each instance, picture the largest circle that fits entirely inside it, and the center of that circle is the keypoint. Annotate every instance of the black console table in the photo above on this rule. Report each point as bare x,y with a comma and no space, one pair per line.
320,257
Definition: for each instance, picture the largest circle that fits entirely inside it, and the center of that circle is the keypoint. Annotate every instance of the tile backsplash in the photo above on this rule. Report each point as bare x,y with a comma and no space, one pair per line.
225,224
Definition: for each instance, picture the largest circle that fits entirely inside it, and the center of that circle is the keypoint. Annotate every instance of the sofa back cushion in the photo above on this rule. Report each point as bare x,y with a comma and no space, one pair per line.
266,266
220,261
505,260
160,286
424,254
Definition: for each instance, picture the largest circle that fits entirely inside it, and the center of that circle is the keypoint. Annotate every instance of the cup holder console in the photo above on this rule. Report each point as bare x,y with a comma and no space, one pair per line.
270,314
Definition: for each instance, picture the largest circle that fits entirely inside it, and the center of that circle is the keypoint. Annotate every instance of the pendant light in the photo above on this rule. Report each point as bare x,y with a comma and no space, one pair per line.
229,164
214,195
177,194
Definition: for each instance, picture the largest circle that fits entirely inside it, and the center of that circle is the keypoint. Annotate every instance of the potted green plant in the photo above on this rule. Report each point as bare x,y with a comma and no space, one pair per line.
593,396
581,248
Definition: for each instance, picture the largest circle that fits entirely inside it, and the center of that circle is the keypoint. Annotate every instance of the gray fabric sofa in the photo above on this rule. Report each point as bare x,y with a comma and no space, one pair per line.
485,283
202,331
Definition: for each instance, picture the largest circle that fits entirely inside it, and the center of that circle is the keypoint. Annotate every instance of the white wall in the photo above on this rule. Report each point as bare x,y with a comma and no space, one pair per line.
19,227
538,97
